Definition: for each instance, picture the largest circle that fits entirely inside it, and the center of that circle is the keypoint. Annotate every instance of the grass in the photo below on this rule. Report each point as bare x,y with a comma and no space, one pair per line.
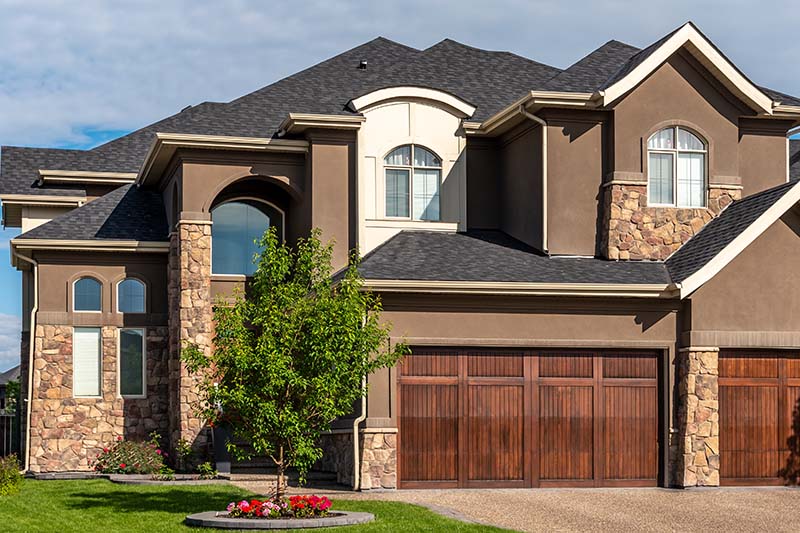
102,506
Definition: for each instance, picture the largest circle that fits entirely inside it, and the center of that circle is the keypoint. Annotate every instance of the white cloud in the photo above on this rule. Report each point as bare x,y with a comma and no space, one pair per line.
10,328
71,66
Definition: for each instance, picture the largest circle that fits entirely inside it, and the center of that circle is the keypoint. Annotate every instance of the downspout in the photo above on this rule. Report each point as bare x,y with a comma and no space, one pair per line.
31,344
543,123
356,423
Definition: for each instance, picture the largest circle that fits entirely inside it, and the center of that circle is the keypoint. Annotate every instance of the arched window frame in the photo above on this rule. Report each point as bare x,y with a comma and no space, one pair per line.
242,199
74,299
119,299
674,151
410,168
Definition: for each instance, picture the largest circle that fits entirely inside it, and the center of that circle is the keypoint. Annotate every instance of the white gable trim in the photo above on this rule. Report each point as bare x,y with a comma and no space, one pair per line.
742,241
423,93
708,55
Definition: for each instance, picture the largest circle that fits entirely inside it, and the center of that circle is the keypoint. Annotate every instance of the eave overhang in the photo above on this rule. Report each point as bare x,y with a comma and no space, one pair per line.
107,245
300,122
85,177
166,144
13,204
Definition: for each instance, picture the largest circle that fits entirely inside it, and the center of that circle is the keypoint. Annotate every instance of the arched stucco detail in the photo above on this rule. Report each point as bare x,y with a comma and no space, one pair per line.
461,107
282,182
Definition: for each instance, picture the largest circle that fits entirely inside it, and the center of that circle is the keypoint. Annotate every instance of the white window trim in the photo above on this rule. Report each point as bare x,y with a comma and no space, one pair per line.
410,169
100,366
144,286
674,152
144,365
236,199
73,295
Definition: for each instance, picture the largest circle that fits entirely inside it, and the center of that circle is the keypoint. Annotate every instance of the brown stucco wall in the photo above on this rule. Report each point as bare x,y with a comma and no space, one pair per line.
762,154
521,184
483,184
681,92
752,302
575,175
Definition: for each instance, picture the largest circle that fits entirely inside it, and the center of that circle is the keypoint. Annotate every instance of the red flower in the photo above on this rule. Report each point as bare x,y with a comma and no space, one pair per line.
122,465
119,438
158,452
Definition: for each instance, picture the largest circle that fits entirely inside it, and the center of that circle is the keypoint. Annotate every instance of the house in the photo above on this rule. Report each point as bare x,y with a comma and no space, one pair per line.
12,374
595,266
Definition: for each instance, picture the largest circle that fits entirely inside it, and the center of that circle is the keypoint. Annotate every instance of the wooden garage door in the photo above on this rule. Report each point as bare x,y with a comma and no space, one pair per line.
759,401
473,418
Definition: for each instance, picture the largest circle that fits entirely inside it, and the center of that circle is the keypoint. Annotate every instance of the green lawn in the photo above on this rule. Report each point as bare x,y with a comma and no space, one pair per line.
102,506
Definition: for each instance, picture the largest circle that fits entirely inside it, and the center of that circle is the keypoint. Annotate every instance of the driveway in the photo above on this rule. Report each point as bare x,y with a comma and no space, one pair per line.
727,509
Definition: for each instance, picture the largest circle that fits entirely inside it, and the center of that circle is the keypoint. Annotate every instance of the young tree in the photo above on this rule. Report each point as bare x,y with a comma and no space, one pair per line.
291,357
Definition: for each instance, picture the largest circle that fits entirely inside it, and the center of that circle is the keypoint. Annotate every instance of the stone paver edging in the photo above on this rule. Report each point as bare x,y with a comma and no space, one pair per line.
145,479
222,521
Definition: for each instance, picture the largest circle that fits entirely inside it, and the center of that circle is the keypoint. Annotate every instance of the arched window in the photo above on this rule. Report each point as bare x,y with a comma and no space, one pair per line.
87,295
676,162
237,225
413,179
130,296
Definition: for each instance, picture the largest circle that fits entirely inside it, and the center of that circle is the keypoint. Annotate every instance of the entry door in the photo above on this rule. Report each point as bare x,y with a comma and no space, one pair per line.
471,418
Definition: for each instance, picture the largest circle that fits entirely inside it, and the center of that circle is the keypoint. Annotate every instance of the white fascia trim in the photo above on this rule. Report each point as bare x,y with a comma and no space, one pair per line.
41,199
532,102
707,54
80,176
90,246
525,289
742,241
298,122
393,93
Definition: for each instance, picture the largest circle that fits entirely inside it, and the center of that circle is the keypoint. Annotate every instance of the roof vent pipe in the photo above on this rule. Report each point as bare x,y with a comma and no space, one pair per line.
362,65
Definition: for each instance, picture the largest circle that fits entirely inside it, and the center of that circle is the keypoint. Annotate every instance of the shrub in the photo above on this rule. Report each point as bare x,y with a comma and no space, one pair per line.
207,471
164,473
10,477
184,455
130,457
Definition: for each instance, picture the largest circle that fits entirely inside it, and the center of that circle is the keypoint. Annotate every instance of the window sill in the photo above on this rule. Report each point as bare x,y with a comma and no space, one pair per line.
230,277
412,224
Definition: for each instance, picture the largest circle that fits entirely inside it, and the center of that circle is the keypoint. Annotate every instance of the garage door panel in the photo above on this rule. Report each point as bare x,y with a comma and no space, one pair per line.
748,365
494,365
431,364
566,443
642,366
630,432
566,365
749,444
495,433
429,436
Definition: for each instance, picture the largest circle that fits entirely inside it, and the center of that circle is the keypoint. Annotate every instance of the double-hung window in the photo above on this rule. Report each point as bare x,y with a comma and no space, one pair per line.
413,180
86,362
132,362
676,162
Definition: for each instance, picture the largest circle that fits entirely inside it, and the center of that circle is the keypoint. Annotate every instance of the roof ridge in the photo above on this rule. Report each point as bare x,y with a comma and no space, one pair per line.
486,51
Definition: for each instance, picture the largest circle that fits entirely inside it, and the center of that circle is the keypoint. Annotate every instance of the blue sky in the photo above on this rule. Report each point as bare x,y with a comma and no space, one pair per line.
75,74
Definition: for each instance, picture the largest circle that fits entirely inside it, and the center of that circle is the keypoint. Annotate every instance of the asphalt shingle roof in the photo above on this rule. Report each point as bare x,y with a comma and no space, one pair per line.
494,256
721,231
127,213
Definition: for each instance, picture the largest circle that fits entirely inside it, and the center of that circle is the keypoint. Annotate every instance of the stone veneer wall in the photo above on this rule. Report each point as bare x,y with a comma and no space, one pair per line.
67,432
697,413
632,230
191,321
378,458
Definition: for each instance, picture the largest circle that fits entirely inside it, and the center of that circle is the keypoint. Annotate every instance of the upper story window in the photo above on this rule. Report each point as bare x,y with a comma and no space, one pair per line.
87,295
238,225
413,180
130,296
676,162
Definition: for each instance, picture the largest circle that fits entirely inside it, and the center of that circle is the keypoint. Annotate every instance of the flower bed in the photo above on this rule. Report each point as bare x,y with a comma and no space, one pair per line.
293,507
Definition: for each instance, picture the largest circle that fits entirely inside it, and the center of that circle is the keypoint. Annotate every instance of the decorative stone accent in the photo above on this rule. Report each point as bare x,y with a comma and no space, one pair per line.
697,413
634,231
378,458
191,321
67,433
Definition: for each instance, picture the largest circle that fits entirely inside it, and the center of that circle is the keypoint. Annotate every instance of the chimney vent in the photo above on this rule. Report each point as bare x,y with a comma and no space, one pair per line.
362,65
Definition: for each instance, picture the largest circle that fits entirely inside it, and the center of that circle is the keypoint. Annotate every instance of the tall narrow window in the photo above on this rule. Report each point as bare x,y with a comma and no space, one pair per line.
87,295
132,362
413,181
676,161
237,226
86,362
130,296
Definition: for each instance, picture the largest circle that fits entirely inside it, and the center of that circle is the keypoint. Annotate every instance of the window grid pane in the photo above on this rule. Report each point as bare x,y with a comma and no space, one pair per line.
397,185
689,141
425,158
131,296
691,180
131,363
662,140
426,194
399,156
660,168
87,295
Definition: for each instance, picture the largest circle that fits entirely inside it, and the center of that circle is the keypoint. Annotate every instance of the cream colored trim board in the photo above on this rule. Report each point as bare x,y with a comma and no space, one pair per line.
299,122
80,176
95,246
532,102
742,241
196,222
699,349
406,92
521,288
41,199
708,55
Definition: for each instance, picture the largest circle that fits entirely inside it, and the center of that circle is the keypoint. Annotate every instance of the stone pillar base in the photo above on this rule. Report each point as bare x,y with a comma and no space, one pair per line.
378,458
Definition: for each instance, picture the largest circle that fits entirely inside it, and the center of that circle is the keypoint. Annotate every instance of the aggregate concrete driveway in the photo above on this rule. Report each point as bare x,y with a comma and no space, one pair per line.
617,510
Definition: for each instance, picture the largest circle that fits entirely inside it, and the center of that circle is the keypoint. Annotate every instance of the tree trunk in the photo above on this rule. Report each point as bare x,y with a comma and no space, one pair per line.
279,489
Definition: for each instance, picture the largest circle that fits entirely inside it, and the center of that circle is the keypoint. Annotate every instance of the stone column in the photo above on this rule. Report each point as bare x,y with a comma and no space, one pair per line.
191,321
697,413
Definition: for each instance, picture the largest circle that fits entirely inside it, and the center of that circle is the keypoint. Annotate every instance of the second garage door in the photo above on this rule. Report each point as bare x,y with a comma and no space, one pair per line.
473,418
